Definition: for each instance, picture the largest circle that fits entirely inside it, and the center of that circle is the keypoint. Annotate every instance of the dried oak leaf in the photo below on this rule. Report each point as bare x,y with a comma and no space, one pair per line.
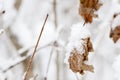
87,9
77,64
115,34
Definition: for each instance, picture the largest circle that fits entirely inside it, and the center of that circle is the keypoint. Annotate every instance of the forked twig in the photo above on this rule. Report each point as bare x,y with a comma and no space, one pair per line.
32,57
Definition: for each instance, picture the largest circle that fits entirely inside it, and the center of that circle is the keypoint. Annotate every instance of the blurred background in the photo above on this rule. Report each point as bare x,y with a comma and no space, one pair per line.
19,29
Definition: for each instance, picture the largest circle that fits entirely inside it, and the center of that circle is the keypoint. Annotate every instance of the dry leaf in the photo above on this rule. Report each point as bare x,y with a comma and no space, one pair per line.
77,64
115,34
87,8
77,59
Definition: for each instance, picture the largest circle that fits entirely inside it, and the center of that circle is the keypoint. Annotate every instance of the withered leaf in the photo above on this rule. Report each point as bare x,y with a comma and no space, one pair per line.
115,34
87,9
77,64
77,59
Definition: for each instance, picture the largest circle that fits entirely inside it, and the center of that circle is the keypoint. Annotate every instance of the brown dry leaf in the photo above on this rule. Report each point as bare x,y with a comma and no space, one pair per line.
115,34
87,8
77,59
77,64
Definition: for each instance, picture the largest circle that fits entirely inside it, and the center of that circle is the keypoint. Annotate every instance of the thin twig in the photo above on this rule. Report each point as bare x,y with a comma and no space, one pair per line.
56,25
48,65
31,59
55,13
58,65
23,50
16,63
20,52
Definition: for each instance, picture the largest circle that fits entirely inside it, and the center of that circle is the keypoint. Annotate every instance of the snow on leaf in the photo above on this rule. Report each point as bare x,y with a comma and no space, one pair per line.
76,62
115,34
115,28
78,49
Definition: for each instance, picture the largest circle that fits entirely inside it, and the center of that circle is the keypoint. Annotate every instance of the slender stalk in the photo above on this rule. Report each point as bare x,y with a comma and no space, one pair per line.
48,65
32,57
16,63
56,25
55,13
58,65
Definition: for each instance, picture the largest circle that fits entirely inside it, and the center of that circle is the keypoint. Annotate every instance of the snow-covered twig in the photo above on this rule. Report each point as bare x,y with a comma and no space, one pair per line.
15,62
31,59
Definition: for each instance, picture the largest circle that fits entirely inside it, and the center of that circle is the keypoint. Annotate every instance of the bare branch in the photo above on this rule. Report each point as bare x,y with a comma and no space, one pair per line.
32,57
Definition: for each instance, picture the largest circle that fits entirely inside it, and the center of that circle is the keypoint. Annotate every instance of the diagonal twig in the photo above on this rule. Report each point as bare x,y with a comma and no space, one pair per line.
35,49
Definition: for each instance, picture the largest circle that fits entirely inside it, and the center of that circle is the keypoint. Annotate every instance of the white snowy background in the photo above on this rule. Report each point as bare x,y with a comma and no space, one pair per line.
20,27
